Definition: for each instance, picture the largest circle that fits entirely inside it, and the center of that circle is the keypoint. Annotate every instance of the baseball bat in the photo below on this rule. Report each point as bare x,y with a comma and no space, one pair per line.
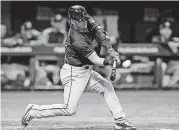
113,73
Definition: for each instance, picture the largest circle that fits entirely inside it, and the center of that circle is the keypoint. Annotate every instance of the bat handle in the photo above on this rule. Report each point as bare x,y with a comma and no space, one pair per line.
113,74
114,64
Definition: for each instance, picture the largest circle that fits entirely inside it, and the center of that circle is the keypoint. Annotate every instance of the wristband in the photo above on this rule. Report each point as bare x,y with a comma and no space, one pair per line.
106,62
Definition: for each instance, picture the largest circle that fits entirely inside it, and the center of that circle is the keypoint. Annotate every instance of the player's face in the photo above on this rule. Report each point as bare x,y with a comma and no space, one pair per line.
81,24
166,32
58,24
28,25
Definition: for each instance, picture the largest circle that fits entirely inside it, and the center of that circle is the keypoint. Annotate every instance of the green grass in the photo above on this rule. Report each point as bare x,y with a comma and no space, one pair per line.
149,110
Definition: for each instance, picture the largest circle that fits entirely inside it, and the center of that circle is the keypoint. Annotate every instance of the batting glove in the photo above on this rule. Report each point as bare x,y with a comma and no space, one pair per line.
114,55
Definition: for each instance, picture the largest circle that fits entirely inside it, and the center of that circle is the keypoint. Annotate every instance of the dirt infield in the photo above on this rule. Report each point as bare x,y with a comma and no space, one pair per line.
149,110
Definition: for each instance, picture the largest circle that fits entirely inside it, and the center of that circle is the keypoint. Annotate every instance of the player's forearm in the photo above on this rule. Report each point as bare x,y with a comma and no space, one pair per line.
98,61
95,59
108,47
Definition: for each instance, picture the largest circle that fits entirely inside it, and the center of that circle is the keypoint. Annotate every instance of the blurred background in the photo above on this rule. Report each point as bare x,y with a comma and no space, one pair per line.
146,34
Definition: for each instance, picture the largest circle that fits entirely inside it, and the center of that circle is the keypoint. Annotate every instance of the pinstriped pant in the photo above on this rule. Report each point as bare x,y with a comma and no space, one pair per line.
75,81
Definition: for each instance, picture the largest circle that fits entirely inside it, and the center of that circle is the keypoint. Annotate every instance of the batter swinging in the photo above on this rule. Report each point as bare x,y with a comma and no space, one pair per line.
82,48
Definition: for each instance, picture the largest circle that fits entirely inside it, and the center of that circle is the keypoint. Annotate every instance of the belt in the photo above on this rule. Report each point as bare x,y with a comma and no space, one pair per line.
83,66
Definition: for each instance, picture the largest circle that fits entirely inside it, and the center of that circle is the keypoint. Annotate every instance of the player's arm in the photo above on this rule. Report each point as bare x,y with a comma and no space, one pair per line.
102,38
45,35
95,59
99,33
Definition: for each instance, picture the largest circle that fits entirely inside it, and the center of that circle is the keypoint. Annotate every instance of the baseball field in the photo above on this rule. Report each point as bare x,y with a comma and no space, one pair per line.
148,110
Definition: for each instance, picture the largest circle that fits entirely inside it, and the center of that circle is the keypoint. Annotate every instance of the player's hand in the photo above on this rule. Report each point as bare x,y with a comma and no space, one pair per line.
115,59
114,55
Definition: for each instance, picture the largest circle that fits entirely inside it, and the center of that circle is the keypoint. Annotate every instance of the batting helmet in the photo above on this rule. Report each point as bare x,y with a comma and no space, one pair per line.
77,12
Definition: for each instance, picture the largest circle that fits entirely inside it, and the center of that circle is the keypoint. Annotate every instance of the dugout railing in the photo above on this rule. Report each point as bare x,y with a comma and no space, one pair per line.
155,52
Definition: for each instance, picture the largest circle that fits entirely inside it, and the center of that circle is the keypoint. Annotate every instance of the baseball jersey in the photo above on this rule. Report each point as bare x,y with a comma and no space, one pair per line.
82,43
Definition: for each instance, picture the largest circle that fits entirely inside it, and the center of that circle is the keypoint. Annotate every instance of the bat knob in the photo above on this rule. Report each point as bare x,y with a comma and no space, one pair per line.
113,75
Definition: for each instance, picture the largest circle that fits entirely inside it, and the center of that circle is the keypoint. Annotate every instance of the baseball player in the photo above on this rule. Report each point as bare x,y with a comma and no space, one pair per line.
82,48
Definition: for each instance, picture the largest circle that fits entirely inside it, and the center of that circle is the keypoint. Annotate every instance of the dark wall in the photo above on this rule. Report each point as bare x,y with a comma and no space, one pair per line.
5,14
130,13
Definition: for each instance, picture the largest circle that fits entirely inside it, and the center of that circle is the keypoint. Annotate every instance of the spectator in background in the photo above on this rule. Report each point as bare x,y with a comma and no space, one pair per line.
4,79
53,73
57,32
13,75
30,35
164,33
8,40
164,37
41,75
47,74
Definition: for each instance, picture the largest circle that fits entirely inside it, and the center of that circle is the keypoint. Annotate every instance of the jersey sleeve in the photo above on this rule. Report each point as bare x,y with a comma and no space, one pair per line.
83,48
99,33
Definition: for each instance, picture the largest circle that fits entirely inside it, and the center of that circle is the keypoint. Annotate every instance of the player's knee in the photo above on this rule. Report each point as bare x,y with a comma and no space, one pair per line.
108,85
72,111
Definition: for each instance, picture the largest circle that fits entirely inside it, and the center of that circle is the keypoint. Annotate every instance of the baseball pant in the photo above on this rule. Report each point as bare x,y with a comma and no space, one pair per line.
75,81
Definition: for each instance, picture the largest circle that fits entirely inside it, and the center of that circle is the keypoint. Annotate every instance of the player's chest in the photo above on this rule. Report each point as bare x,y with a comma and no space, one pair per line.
89,39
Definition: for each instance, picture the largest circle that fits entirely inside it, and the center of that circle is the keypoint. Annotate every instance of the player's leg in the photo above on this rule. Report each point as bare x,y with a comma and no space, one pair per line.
74,80
174,78
102,86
